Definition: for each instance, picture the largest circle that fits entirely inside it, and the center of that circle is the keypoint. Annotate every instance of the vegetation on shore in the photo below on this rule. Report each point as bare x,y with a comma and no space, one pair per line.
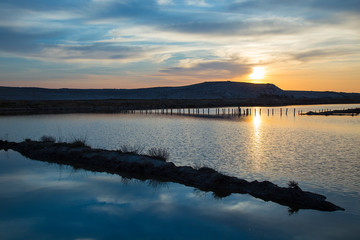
159,153
156,153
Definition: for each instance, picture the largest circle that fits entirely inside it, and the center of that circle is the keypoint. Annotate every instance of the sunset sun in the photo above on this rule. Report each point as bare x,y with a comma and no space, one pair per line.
257,73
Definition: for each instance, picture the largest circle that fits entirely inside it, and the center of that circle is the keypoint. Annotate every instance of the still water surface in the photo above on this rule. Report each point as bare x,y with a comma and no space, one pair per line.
48,201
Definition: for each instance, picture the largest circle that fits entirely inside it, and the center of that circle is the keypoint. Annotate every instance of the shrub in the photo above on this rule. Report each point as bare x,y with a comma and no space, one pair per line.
27,140
293,184
79,142
207,170
131,149
47,139
159,153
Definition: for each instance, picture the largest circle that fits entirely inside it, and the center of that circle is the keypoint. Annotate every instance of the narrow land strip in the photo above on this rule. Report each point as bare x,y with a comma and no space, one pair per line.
345,112
145,167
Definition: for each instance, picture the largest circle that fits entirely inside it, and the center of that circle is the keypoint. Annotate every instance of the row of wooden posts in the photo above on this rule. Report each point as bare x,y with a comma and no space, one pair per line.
218,111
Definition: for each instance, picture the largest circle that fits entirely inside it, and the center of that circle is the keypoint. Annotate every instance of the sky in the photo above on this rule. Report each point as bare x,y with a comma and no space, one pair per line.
296,45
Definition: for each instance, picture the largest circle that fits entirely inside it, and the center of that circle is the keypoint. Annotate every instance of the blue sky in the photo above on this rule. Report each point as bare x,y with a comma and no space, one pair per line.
308,44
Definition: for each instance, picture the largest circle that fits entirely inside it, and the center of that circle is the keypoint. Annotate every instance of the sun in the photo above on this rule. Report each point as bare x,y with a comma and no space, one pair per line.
257,73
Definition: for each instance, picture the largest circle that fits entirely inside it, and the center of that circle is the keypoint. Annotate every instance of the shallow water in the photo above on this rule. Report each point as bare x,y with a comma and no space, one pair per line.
319,152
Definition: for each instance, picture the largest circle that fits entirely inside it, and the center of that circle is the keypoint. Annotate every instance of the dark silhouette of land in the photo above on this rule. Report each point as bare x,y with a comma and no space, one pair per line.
346,112
204,95
143,167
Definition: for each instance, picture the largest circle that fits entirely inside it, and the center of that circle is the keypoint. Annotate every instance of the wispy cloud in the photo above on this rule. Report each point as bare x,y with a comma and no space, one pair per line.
323,55
201,3
211,70
164,2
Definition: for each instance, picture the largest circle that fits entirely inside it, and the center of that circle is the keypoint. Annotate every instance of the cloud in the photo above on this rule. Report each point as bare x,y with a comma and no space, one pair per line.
123,9
200,3
257,27
98,52
306,9
101,51
210,69
165,2
327,55
12,41
345,5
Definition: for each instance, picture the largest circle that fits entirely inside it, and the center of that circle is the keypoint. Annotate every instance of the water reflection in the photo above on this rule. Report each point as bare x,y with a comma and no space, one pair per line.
256,122
100,206
321,153
255,144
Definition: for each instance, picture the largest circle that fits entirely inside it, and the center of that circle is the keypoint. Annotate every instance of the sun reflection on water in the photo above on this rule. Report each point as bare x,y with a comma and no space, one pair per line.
256,144
256,122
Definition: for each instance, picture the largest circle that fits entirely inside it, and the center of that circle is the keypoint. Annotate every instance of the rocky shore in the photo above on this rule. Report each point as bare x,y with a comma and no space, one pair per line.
145,167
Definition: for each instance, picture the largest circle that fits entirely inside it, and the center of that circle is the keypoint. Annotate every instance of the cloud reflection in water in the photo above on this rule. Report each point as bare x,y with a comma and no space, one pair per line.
74,205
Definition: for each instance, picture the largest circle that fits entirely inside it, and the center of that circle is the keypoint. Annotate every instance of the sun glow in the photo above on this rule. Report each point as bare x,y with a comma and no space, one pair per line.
258,73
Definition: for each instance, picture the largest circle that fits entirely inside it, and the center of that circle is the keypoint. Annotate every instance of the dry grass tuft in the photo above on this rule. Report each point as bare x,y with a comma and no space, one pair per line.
159,153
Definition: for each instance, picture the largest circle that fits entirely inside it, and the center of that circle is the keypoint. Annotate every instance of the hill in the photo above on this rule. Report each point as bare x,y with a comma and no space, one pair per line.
206,90
17,100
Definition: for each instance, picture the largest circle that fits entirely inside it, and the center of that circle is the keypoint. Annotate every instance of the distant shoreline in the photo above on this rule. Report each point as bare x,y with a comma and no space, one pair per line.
346,112
17,100
29,107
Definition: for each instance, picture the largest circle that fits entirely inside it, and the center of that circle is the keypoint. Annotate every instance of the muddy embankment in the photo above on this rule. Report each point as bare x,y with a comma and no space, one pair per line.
144,167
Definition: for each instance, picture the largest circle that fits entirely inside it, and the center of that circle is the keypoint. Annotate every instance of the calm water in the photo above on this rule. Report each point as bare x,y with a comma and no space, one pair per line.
45,201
